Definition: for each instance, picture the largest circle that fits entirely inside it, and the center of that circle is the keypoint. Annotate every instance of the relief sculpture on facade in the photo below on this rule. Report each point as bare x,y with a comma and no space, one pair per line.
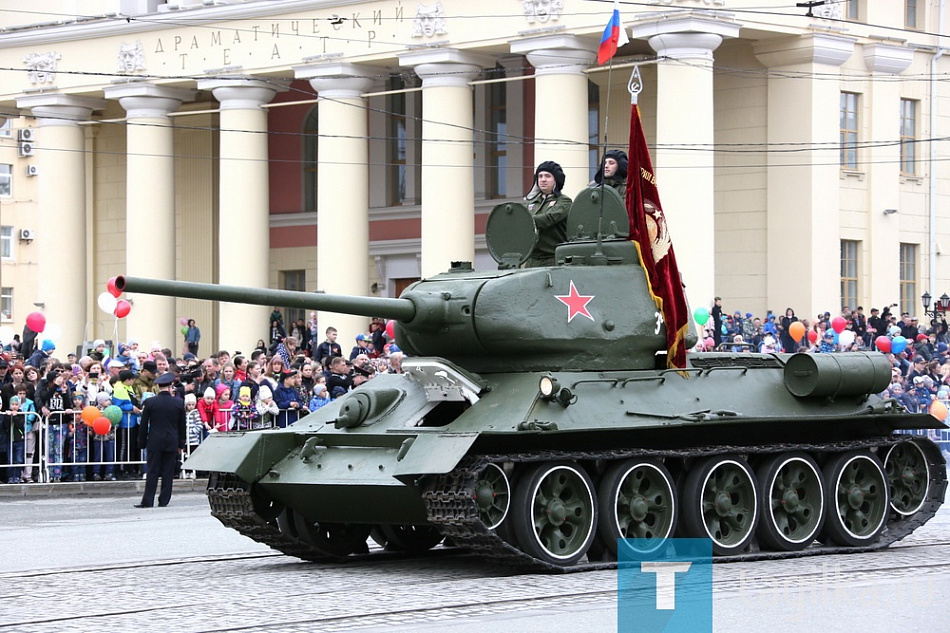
131,57
429,20
711,3
41,67
542,10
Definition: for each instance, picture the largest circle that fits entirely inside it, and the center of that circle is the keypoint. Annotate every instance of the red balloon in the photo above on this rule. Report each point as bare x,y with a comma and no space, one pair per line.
122,308
390,327
838,324
883,344
36,321
812,336
102,426
110,286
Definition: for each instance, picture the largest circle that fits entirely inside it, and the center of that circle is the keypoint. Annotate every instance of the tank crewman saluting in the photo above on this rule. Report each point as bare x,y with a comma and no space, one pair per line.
549,208
162,433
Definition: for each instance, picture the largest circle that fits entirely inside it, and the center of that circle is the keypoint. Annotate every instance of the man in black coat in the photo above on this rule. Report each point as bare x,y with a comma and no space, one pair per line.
162,433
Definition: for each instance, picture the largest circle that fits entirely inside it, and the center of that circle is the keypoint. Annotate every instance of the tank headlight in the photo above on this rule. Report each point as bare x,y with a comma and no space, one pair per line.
548,387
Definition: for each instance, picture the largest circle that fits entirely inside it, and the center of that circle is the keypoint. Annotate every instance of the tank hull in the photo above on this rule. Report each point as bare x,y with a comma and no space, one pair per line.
411,433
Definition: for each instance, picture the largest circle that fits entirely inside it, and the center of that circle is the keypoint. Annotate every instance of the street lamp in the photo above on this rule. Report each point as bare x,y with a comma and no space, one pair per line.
940,307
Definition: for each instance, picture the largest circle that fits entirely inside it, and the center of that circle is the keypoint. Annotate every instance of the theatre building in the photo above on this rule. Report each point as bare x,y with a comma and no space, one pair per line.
353,147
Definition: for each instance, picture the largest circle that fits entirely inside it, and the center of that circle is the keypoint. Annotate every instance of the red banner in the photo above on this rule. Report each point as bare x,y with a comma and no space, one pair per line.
649,231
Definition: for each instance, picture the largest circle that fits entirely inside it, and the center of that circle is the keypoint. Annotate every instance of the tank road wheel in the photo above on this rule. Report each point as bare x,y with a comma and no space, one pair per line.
793,501
492,496
407,538
337,540
555,513
856,488
720,502
908,475
637,499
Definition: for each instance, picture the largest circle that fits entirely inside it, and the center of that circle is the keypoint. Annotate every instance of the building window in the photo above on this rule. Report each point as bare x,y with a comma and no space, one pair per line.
910,14
593,127
293,280
908,278
6,181
398,142
5,129
311,140
908,136
497,135
849,130
6,304
849,273
6,242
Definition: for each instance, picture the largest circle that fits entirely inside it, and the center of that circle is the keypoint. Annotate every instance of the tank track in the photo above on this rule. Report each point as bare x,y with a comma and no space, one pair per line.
450,501
450,504
232,504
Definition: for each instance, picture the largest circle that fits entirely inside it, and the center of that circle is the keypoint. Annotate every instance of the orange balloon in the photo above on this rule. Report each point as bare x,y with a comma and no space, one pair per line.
938,410
89,415
796,330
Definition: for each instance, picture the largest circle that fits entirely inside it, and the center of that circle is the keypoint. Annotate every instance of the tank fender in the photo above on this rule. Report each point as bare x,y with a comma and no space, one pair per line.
433,454
851,374
248,455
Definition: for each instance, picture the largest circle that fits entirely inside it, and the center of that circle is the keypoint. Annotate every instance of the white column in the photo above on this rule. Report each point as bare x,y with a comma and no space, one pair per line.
150,203
342,187
883,172
448,188
803,216
685,112
61,234
561,128
243,203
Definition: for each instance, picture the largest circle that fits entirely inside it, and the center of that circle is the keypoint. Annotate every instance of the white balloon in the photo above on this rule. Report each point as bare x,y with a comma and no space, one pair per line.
846,338
106,302
6,334
53,332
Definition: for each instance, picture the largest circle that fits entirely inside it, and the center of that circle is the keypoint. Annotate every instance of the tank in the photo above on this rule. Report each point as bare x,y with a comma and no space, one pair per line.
535,422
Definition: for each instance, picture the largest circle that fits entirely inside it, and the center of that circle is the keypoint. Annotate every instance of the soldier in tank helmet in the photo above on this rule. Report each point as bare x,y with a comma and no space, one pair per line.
613,172
549,208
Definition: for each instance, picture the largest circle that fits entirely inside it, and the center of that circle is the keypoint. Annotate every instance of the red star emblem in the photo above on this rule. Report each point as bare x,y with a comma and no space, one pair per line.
576,303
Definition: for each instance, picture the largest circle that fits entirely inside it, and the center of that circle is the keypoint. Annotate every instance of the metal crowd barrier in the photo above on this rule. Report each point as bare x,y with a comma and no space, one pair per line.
66,449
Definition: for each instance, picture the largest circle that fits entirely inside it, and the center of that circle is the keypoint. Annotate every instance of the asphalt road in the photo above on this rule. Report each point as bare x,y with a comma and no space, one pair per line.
96,564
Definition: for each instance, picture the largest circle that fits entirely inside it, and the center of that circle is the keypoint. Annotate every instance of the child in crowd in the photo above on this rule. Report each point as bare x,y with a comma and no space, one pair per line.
207,408
194,427
266,407
13,428
31,427
321,397
222,420
244,412
103,446
77,442
193,424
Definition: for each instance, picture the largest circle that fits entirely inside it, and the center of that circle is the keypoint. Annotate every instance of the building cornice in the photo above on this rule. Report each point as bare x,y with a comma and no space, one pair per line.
123,25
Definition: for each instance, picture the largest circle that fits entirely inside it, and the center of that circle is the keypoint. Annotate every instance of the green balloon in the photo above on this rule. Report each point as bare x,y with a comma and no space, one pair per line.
113,413
184,330
701,315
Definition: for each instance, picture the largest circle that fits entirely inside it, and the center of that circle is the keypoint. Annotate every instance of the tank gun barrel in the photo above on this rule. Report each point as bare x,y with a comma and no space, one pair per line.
398,309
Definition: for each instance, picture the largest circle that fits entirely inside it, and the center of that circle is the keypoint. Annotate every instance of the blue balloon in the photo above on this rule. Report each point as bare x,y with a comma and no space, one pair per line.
898,344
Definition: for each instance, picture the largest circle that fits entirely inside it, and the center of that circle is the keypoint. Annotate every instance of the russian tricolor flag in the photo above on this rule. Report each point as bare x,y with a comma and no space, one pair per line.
614,37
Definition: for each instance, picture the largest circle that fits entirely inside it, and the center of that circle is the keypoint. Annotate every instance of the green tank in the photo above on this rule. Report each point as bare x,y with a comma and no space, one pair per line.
535,422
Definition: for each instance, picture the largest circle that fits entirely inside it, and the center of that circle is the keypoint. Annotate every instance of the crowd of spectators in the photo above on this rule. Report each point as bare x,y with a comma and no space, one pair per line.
43,395
919,352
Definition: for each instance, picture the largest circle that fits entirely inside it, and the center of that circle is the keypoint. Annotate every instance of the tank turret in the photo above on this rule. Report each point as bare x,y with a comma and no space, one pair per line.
591,312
